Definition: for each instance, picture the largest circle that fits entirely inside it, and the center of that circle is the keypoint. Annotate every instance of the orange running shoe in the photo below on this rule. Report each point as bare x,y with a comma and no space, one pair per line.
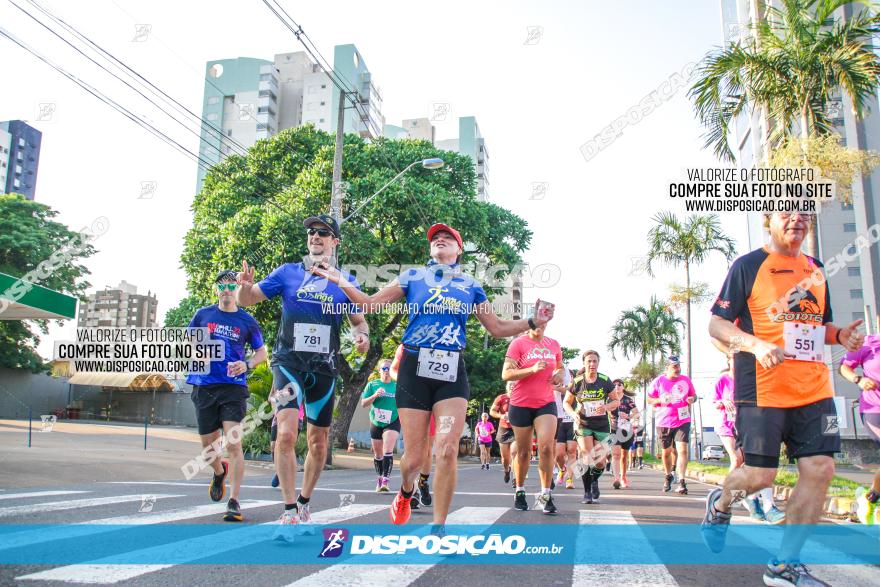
400,510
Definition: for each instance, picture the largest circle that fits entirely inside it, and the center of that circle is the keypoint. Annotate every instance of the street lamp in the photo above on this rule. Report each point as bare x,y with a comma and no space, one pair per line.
431,163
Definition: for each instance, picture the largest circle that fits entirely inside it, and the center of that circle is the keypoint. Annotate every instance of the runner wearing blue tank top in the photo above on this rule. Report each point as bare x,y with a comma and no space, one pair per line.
432,378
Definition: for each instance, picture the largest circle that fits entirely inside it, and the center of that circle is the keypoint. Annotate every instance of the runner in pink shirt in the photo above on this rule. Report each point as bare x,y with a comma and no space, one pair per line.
727,413
483,431
672,395
534,363
868,358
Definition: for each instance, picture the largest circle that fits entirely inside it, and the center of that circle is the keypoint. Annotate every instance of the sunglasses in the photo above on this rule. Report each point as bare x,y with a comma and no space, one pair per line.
227,286
384,369
322,232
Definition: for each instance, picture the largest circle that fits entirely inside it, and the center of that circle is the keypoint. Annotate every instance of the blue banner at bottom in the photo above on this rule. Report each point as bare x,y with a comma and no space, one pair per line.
667,544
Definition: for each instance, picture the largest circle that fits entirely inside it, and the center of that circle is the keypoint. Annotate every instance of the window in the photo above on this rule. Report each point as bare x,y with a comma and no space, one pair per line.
213,100
855,294
320,120
858,316
262,126
846,206
212,116
16,183
323,103
21,142
19,155
854,271
268,93
323,86
18,169
849,227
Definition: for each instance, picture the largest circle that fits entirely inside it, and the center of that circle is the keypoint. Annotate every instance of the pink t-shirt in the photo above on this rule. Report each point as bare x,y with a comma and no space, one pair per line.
724,391
868,358
674,412
485,430
535,390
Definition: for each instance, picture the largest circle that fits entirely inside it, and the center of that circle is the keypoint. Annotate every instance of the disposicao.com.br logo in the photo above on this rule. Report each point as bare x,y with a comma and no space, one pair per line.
450,544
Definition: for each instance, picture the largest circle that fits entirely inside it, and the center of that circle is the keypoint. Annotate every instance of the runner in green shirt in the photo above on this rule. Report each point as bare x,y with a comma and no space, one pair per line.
380,396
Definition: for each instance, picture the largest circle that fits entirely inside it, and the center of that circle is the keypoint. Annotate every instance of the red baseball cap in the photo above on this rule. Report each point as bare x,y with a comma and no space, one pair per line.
438,227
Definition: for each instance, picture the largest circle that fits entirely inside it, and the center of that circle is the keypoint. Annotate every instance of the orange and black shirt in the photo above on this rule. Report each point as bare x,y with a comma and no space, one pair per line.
763,291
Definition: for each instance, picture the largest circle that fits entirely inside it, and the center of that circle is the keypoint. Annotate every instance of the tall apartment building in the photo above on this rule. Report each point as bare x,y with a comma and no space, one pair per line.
120,307
855,288
249,99
468,142
19,157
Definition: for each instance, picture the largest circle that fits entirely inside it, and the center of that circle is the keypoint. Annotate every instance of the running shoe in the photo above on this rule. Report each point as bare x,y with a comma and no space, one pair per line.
560,477
233,511
774,516
304,520
286,530
616,484
865,510
275,481
217,489
715,524
753,504
667,483
540,500
519,501
552,483
415,504
569,483
624,483
379,484
595,489
549,506
400,509
790,575
425,494
507,475
588,497
682,487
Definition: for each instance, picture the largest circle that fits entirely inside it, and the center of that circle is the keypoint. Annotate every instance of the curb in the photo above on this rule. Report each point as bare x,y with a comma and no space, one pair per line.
839,507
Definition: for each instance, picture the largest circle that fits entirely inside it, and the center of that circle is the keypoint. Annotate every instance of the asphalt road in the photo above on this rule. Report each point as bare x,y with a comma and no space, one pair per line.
345,496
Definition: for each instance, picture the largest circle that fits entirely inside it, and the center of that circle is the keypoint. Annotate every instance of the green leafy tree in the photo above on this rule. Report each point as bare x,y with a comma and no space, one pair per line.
252,207
689,242
180,315
33,244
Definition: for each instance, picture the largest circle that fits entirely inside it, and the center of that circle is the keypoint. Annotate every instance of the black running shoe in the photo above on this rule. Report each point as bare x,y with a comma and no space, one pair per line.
425,494
667,483
792,574
715,524
507,475
616,484
682,488
217,489
519,501
414,502
549,506
595,489
588,497
233,511
552,482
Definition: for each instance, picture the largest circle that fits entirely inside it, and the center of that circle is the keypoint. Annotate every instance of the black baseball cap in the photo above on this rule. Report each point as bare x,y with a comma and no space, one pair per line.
226,274
323,219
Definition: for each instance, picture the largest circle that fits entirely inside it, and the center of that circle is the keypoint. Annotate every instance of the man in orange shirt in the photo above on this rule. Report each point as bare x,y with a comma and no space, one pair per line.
780,300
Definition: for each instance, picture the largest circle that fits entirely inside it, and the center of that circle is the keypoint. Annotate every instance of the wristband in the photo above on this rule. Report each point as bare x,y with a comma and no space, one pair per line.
839,330
858,379
532,324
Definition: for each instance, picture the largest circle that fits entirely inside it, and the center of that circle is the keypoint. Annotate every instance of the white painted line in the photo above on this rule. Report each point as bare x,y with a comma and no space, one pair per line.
397,575
54,506
38,494
81,529
605,571
185,551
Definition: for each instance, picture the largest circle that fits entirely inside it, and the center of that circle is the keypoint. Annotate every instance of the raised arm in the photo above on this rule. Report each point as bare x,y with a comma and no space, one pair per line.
248,293
499,328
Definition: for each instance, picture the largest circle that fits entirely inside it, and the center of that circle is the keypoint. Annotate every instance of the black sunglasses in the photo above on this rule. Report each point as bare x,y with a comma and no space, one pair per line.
322,232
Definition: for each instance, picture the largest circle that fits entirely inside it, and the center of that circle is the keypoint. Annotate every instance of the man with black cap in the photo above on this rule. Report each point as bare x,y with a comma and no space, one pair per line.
220,396
672,394
305,359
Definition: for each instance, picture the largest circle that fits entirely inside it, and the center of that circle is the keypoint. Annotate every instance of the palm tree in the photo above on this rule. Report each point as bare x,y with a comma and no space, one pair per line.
795,58
642,333
674,242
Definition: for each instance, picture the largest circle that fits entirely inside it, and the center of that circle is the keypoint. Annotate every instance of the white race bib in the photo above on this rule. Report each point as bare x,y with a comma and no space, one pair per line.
805,341
382,416
684,413
437,364
592,408
311,338
567,418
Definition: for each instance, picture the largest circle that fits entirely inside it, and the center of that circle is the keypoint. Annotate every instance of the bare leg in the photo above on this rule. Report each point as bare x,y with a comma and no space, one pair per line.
729,443
414,424
447,452
236,457
285,457
523,435
545,426
318,439
208,440
682,458
805,507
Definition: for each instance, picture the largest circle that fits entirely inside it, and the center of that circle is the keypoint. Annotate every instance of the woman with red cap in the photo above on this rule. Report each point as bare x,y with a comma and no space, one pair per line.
432,378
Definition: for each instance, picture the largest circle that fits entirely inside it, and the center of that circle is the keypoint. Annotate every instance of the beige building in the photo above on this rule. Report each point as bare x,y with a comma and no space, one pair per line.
120,307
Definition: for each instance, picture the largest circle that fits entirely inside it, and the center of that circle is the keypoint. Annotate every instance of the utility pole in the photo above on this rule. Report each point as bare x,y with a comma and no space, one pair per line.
338,192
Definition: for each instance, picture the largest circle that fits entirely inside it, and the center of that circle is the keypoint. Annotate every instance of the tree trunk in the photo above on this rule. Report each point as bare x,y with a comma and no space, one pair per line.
687,272
353,383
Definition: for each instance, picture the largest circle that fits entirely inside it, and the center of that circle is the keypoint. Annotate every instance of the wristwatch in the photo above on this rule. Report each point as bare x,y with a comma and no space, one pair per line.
857,379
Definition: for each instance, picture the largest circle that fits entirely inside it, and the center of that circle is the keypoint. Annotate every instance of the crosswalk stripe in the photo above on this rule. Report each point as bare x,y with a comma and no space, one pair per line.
398,575
187,551
37,494
54,506
92,527
609,573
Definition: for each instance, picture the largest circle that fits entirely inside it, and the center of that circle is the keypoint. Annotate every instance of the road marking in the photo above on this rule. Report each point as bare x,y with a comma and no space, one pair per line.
38,494
398,575
185,551
80,529
608,572
55,506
